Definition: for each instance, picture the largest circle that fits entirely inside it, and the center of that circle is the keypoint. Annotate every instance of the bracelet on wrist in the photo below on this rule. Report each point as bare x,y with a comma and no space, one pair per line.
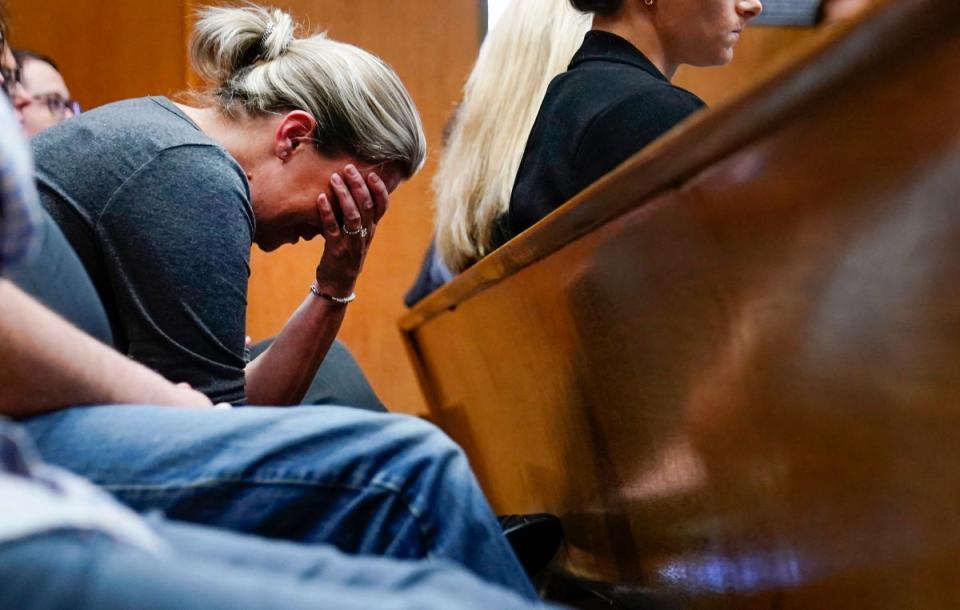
315,289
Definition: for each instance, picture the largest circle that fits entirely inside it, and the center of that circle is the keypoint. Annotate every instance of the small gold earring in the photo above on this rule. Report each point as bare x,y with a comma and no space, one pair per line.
649,2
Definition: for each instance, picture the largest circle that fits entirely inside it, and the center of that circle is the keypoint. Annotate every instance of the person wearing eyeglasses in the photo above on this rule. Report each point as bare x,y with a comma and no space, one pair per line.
48,100
11,82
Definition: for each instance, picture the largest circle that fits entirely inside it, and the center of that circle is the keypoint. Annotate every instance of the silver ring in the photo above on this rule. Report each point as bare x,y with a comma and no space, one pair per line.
362,231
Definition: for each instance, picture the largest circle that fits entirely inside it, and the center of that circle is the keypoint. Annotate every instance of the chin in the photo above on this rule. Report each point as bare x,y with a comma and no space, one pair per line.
722,58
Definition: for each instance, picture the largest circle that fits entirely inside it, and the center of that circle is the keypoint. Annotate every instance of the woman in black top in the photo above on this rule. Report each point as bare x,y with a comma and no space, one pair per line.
616,97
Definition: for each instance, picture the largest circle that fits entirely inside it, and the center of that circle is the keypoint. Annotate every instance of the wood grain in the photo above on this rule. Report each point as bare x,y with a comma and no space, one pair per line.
107,50
734,379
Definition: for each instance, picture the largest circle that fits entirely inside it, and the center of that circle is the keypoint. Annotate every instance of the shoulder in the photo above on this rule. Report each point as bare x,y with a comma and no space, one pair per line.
656,106
196,183
200,163
629,123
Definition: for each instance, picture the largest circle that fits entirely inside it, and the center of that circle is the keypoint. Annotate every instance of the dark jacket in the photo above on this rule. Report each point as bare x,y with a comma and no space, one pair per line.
610,103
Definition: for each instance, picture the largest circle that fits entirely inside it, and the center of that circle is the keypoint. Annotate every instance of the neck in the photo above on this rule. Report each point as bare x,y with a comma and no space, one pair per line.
634,24
234,136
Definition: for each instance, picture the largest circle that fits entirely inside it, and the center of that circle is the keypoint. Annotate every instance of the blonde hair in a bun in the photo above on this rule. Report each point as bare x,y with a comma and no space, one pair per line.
255,65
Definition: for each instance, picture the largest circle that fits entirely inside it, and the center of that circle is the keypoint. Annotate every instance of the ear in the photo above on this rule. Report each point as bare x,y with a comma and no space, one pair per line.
294,128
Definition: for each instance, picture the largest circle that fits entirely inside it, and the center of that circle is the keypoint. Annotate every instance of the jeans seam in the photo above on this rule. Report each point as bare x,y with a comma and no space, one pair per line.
210,483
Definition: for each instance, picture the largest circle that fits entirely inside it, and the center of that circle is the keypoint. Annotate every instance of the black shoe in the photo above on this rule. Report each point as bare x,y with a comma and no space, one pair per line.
535,539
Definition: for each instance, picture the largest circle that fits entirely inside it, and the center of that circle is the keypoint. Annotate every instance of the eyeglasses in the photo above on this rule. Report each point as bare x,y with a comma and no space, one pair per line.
11,78
58,106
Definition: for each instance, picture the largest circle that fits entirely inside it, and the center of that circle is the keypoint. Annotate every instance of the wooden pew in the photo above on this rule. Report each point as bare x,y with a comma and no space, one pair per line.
731,366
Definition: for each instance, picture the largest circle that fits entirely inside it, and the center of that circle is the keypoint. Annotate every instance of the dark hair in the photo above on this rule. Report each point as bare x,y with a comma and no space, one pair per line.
24,54
602,7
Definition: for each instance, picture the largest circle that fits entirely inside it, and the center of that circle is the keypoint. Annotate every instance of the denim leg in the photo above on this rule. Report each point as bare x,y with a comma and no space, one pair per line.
205,569
408,581
371,484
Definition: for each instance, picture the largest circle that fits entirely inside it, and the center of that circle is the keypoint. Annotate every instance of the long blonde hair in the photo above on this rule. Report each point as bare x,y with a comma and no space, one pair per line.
256,65
533,42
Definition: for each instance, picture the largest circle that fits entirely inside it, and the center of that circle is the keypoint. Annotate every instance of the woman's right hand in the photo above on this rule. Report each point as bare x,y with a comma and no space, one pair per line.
362,203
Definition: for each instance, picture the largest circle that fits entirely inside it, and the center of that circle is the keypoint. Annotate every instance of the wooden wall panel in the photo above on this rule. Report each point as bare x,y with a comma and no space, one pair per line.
108,49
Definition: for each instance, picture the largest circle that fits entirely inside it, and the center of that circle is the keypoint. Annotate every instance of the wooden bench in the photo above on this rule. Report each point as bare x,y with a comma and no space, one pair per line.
731,366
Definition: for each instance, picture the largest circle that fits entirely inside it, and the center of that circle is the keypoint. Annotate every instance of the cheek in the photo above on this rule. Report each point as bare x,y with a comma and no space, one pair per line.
392,184
38,116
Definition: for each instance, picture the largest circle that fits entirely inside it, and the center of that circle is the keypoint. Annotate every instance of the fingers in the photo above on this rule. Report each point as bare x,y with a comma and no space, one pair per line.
381,196
360,198
328,218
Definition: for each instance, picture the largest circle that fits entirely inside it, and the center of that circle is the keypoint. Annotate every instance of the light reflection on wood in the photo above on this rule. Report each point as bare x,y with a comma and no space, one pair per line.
740,390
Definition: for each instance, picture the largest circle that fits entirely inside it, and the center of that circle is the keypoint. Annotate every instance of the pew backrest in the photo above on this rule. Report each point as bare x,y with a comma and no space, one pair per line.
730,365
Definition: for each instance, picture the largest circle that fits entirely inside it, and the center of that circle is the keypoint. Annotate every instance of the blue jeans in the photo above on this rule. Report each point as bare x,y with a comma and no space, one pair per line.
209,568
368,483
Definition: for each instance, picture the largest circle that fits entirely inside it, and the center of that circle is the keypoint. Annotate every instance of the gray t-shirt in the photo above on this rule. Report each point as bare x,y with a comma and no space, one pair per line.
160,215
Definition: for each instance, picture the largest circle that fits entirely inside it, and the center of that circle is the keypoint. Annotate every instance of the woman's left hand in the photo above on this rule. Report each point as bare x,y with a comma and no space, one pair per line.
362,202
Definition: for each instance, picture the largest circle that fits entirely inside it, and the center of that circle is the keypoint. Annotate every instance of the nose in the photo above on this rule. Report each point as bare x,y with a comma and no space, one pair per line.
748,9
19,96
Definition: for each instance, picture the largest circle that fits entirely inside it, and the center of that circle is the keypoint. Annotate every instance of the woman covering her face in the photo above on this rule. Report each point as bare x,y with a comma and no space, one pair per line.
295,138
616,96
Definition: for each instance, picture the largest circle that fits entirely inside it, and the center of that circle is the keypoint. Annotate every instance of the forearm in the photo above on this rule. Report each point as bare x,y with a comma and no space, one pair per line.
50,364
283,373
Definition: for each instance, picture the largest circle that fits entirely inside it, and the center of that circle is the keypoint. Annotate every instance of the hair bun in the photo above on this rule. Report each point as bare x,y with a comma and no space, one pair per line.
227,40
597,6
277,35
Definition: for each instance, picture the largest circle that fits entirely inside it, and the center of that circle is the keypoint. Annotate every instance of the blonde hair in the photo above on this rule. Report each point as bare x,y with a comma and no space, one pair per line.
256,65
533,42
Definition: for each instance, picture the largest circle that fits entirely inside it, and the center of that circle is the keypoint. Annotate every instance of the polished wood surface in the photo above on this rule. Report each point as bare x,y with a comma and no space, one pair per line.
116,49
729,366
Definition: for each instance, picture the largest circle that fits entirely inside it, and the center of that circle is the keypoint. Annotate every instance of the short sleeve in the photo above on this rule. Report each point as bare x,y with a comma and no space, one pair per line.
628,126
19,211
176,240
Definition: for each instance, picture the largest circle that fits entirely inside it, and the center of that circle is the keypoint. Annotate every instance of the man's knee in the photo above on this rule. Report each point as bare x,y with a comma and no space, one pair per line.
431,440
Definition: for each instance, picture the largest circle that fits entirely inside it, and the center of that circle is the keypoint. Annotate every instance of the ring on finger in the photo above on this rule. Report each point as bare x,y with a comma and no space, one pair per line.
361,231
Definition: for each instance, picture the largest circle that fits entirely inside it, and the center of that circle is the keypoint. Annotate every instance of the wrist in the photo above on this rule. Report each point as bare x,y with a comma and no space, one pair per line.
339,299
339,287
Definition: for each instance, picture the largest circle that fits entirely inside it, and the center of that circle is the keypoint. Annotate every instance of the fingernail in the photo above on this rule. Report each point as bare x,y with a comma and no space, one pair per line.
352,170
374,178
336,179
